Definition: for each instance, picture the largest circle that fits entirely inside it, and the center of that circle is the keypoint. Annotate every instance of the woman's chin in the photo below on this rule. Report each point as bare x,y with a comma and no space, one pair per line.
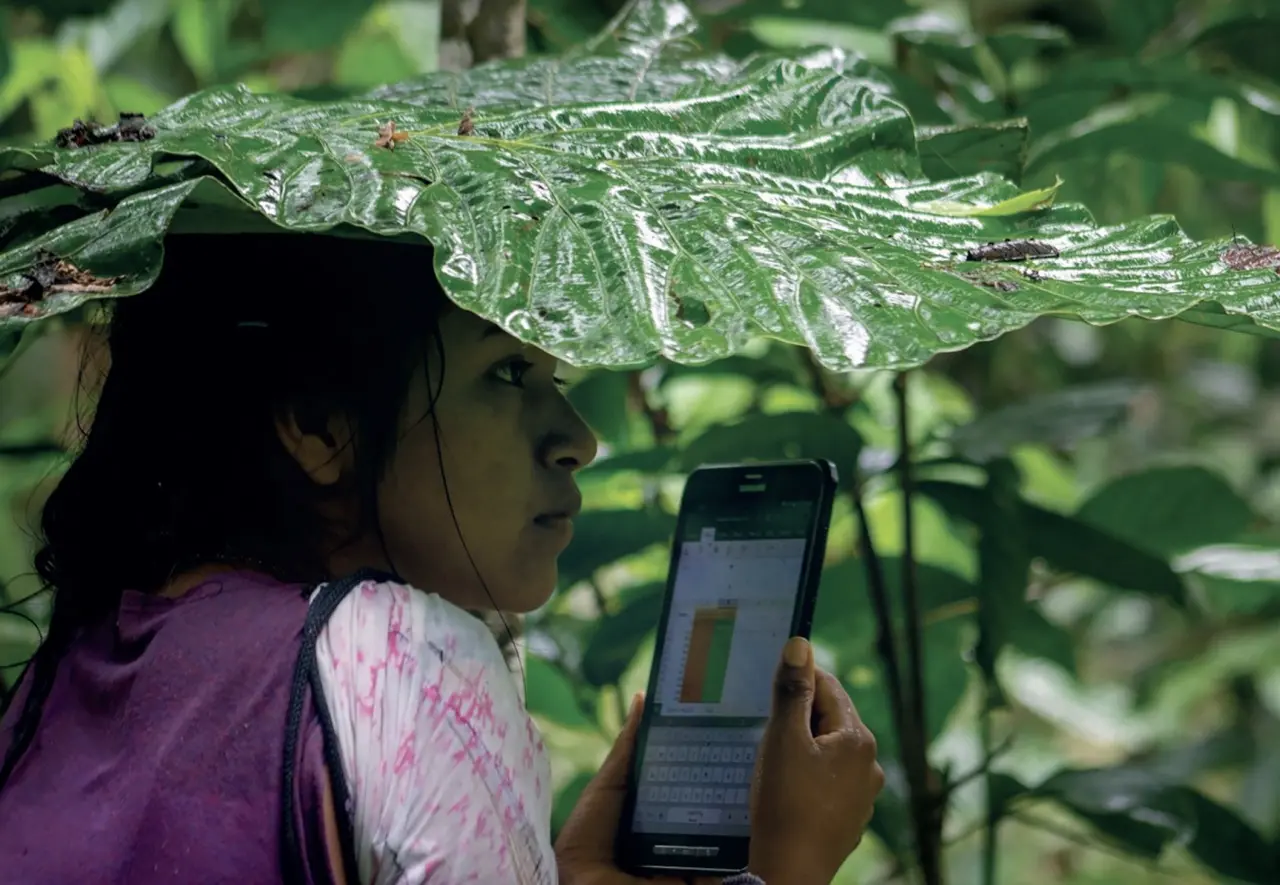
527,590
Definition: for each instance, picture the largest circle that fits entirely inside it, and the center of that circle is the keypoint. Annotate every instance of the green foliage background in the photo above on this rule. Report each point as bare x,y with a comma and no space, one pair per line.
1100,505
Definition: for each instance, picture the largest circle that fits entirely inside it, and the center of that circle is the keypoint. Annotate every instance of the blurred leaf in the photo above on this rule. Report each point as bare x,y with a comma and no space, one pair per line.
651,460
1168,510
1068,544
844,619
417,24
1237,579
59,82
566,799
1130,804
1058,418
1015,43
946,680
4,44
1079,85
304,26
891,822
781,436
601,399
1132,23
620,635
566,23
369,58
395,41
987,60
603,536
1247,41
866,13
845,623
199,28
549,693
950,151
108,37
941,35
1130,126
1004,559
782,32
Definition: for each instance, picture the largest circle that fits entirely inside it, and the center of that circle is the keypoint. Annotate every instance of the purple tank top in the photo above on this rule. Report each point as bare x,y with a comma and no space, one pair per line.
160,756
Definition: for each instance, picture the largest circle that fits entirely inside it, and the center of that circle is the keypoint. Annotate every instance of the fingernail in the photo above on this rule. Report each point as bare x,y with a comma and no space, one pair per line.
796,652
637,701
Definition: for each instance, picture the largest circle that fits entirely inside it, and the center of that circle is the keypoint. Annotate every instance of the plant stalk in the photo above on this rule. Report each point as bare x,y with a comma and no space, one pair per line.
886,642
989,832
915,748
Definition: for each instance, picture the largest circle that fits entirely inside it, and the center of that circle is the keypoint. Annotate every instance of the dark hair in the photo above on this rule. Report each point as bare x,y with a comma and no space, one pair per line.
182,464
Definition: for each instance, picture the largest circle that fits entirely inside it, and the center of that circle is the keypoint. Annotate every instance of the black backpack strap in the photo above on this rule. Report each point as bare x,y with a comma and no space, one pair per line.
307,675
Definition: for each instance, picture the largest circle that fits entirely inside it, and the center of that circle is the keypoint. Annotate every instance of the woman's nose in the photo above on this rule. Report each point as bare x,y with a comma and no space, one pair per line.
571,445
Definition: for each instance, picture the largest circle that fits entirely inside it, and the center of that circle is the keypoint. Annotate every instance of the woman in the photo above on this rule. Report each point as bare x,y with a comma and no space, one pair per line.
305,469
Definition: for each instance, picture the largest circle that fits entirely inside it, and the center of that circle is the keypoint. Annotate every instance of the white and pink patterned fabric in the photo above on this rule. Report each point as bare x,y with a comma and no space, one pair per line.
448,776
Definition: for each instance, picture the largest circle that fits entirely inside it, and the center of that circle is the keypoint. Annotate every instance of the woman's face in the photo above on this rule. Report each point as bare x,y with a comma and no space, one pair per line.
478,505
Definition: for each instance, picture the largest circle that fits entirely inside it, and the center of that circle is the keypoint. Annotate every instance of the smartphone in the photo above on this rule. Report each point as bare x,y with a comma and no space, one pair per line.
745,565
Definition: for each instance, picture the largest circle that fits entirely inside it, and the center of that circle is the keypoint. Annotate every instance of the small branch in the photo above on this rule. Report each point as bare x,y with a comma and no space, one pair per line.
982,769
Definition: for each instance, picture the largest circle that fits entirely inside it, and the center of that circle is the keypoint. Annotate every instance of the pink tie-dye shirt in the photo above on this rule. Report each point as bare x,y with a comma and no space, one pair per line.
448,776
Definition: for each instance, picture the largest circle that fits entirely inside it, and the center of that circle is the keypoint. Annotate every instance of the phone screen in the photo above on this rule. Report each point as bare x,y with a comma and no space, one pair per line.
738,577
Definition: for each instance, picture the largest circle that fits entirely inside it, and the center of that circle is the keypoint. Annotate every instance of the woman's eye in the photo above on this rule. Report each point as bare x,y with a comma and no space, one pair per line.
513,371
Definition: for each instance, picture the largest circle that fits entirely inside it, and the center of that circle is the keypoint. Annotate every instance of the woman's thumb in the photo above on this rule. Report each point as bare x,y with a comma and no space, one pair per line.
793,688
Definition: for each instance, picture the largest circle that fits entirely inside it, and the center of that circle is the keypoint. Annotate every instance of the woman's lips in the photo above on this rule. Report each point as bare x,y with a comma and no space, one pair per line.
560,524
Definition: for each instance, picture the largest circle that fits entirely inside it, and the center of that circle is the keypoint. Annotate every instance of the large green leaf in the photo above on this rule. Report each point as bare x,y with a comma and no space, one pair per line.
1058,418
638,198
550,694
1146,813
1068,544
619,636
1169,510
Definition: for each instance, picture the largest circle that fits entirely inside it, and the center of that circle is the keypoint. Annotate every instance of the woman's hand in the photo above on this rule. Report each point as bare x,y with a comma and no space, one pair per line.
585,849
816,777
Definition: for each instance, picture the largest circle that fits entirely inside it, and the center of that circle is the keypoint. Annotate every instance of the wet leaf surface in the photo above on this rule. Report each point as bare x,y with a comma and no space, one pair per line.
637,198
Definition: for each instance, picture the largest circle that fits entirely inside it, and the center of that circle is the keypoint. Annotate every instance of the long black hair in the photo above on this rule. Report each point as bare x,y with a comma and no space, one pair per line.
181,464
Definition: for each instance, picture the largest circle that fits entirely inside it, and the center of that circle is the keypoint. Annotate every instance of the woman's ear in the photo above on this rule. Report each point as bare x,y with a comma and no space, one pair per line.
321,444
